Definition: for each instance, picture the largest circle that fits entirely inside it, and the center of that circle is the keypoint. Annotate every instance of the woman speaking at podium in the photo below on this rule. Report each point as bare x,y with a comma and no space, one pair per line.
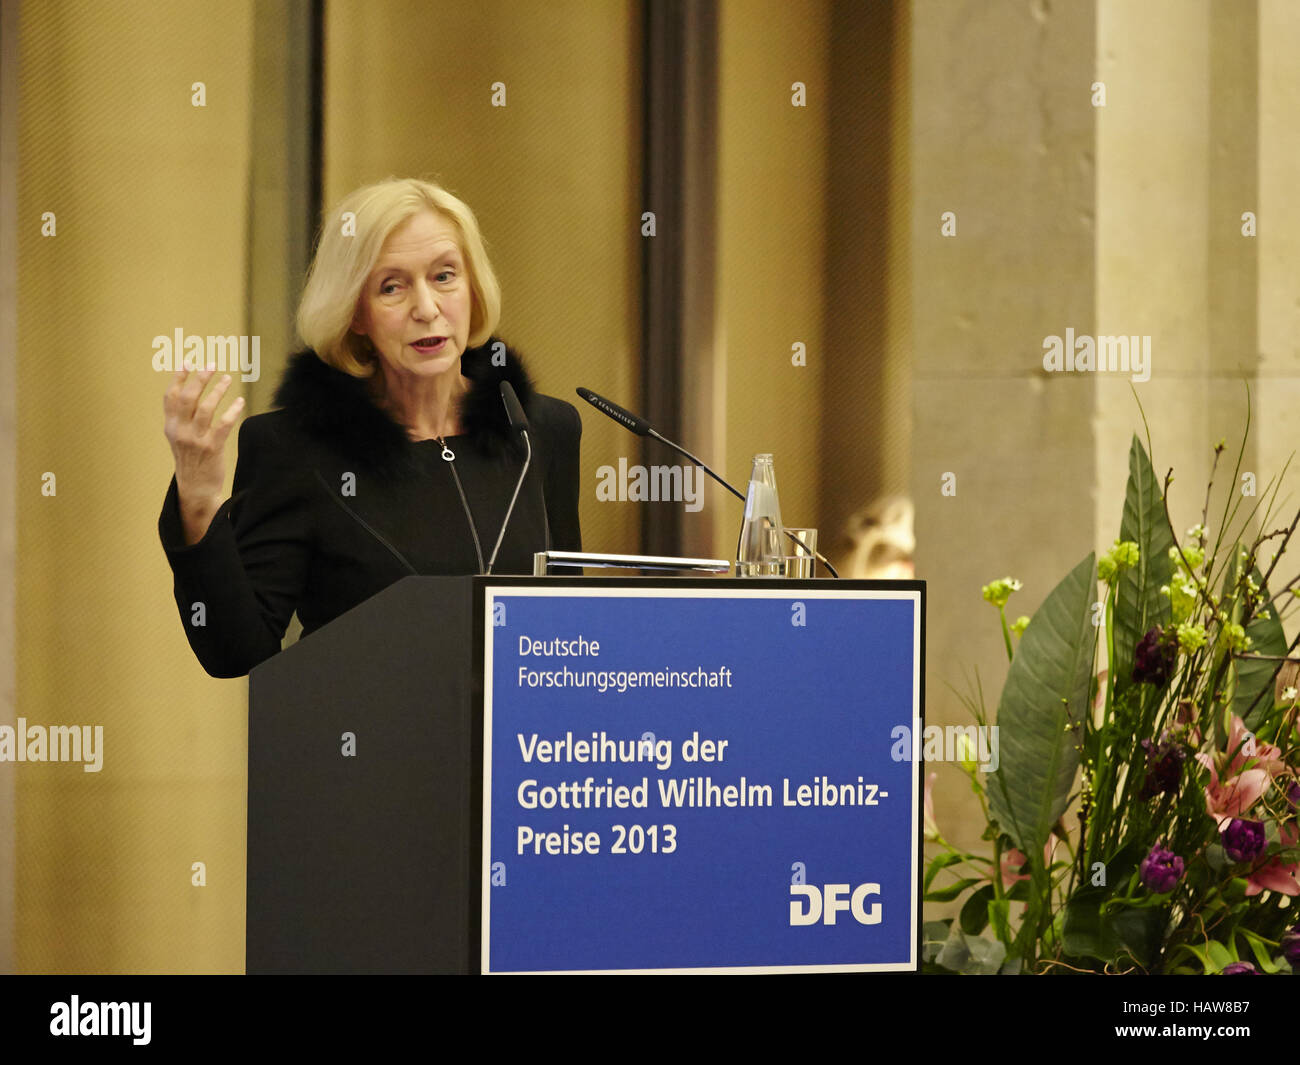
390,453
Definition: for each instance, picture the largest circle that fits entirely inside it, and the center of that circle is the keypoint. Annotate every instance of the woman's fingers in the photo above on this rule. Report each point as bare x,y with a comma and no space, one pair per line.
203,412
186,387
228,419
188,414
172,397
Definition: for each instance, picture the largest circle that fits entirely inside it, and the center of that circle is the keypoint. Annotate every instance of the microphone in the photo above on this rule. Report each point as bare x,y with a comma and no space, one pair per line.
625,418
514,409
642,427
519,423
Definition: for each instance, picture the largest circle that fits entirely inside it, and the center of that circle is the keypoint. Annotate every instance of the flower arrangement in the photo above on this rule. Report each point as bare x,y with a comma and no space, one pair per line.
1143,815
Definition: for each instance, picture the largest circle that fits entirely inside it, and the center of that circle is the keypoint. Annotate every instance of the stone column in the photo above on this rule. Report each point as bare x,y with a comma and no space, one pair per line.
1277,389
1004,253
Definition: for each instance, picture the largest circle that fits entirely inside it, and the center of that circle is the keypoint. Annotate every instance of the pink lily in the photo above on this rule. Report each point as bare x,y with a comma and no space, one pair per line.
1241,788
1235,795
1273,875
1012,860
1247,750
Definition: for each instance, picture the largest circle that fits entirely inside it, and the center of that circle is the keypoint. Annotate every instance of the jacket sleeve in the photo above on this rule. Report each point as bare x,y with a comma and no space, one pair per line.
237,587
562,477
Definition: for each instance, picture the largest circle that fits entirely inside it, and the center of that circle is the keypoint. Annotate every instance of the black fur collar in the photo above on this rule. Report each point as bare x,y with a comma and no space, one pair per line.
336,407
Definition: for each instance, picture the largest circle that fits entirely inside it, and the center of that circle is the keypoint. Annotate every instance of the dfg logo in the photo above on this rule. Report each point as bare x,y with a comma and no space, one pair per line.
830,899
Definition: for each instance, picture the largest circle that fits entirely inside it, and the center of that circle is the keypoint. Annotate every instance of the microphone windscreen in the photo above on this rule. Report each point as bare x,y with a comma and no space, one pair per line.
624,417
514,410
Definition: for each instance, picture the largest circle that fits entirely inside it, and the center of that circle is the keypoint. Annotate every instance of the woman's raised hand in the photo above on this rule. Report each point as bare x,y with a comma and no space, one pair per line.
198,445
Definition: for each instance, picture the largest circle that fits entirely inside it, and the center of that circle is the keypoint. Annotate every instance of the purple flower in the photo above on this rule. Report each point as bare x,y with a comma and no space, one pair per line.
1164,767
1243,841
1291,947
1161,870
1154,658
1240,968
1293,796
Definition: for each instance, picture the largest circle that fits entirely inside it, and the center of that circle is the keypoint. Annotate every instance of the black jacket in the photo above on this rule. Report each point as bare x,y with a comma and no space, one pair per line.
332,503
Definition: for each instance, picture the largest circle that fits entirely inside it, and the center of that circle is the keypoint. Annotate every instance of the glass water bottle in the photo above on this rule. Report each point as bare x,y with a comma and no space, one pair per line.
759,551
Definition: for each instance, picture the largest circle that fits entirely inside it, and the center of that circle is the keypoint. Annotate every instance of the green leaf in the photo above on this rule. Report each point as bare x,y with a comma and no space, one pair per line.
941,862
1000,918
971,954
1201,954
1253,675
1259,947
1046,689
934,934
975,913
1220,955
1124,863
947,894
1114,935
1140,605
1019,891
1140,931
1081,933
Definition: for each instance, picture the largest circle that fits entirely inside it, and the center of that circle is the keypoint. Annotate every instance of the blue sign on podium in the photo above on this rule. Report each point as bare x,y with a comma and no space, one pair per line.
700,778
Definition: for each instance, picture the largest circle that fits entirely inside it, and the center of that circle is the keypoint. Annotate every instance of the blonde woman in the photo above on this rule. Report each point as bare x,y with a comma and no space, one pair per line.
390,453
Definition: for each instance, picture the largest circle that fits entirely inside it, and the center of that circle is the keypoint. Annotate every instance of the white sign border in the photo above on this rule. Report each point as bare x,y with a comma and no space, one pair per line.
576,590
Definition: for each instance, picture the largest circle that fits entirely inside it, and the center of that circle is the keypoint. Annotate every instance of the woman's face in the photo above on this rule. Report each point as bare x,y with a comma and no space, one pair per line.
415,305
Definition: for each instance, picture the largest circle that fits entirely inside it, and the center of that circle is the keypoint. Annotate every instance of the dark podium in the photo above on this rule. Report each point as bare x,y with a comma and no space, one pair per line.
362,790
367,810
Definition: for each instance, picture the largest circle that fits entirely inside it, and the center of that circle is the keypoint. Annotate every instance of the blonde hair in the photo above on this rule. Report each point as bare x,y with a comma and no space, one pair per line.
348,249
